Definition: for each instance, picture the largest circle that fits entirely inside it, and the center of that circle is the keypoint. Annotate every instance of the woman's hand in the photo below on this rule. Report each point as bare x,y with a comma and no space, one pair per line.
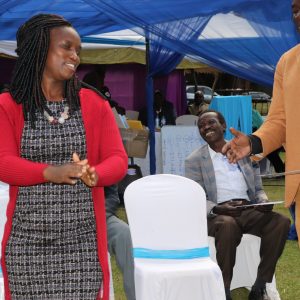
239,147
90,177
64,174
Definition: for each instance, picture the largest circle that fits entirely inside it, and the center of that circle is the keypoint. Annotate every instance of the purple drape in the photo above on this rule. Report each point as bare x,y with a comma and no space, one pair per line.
127,86
126,83
6,68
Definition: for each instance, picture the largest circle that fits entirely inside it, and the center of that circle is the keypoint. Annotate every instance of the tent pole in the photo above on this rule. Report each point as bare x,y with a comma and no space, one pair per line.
150,119
216,77
147,55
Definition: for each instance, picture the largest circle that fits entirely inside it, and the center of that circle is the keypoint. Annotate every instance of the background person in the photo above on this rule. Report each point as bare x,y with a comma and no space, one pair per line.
95,79
197,106
4,87
163,110
228,186
54,244
106,92
274,156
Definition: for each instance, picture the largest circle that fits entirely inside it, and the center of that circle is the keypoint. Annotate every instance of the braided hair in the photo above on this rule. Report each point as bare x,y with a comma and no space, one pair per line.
33,40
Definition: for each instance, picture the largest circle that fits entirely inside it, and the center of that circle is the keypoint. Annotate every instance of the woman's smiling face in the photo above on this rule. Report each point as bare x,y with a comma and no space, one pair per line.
63,53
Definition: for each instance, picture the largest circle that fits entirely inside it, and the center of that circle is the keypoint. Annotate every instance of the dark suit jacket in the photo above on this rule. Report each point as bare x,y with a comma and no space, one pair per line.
167,111
199,167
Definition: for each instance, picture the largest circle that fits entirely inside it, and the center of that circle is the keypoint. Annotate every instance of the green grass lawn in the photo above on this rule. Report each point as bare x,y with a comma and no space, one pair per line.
288,267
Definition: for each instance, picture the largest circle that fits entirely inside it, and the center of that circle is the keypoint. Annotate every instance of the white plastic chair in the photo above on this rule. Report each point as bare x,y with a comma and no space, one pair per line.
3,204
188,120
167,220
1,287
247,261
111,281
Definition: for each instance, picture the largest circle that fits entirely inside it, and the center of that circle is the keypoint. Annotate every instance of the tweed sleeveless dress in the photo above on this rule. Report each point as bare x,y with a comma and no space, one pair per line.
52,250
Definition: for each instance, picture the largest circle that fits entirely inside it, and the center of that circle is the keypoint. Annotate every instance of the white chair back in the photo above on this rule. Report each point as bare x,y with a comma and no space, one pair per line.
166,212
187,120
4,195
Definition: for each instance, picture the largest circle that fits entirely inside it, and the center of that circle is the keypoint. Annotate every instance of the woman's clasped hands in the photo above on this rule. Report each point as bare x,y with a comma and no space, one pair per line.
70,173
89,177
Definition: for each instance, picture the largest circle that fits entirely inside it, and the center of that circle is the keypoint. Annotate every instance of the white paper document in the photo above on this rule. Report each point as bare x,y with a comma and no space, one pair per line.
260,204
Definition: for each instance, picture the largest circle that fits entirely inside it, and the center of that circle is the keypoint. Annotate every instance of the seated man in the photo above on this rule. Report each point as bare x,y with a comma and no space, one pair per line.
228,186
119,240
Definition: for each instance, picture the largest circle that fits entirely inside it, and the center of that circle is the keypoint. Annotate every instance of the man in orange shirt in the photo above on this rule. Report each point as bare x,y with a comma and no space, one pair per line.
282,125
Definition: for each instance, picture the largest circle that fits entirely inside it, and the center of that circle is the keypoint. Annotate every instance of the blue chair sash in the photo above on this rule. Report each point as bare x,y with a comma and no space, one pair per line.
171,254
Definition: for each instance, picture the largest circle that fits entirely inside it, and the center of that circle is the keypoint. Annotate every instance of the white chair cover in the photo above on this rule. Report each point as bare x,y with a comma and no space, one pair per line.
168,212
247,260
187,120
1,288
3,205
111,282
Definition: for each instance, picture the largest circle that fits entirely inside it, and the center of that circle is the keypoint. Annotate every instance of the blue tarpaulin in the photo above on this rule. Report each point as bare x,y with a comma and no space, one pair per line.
241,37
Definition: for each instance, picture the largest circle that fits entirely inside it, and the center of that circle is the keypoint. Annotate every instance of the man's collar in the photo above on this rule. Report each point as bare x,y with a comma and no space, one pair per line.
212,152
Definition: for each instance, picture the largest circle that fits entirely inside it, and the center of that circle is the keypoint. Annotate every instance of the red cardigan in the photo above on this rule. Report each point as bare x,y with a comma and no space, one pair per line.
105,151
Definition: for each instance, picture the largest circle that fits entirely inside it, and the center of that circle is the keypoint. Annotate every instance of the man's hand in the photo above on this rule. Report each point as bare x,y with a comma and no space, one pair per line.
239,147
90,177
228,208
264,208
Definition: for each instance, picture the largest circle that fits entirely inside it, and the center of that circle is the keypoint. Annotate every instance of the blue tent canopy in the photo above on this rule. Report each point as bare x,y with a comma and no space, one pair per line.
241,37
164,21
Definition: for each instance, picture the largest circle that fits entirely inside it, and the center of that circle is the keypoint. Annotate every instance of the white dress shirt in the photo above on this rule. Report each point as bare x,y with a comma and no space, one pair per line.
230,181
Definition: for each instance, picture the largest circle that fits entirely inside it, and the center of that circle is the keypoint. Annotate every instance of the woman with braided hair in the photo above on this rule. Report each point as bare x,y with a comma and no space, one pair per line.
59,146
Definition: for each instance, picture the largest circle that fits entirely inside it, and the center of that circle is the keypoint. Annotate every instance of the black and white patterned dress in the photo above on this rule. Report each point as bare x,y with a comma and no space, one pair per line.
52,250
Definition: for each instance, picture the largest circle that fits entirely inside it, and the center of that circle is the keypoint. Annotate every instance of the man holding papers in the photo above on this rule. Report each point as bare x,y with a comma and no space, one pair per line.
229,187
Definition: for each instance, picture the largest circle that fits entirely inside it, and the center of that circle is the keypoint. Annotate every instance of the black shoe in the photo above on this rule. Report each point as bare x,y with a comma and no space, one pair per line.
258,294
228,295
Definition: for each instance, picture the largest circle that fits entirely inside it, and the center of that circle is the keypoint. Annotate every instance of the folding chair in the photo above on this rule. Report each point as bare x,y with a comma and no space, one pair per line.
188,120
167,220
